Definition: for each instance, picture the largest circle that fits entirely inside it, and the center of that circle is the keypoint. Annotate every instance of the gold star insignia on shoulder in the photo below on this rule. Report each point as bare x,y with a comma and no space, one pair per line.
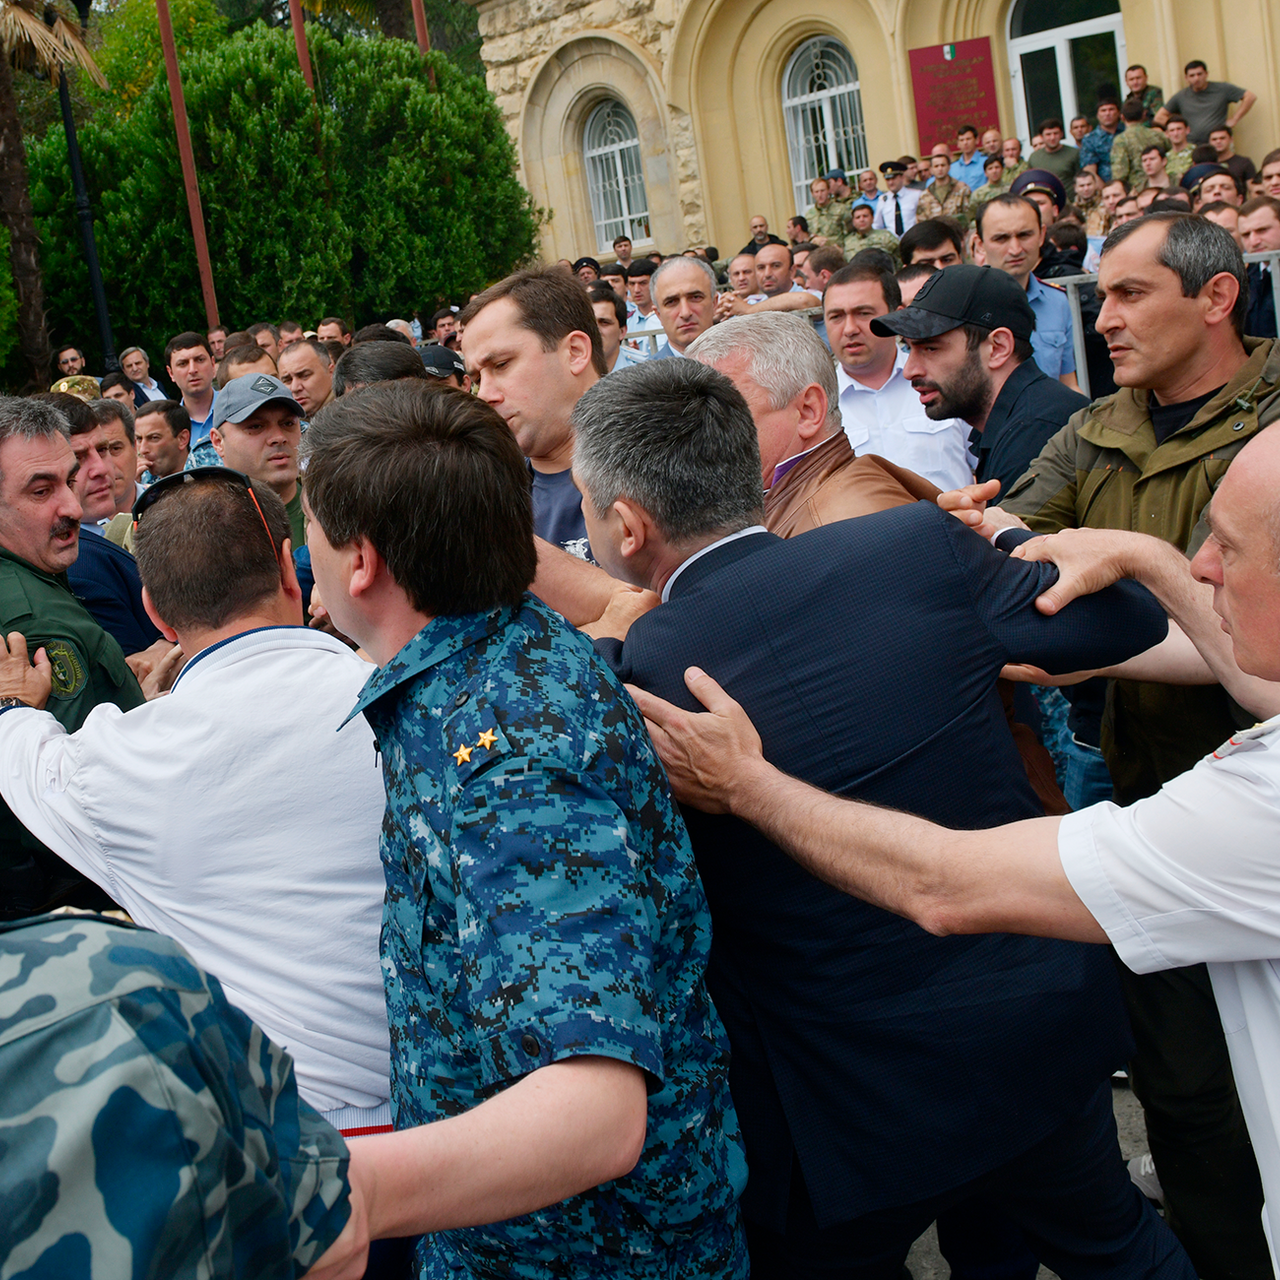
463,755
487,739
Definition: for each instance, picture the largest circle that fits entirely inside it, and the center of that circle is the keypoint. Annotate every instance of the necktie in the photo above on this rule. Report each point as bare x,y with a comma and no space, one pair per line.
897,216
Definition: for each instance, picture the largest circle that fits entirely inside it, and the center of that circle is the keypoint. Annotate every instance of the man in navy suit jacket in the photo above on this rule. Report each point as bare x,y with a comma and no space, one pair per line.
104,576
881,1075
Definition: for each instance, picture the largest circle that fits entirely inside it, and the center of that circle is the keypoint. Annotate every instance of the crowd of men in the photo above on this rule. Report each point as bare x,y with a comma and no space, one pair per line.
356,675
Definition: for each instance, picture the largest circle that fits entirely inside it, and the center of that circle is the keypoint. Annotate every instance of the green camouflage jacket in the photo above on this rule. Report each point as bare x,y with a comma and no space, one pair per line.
147,1127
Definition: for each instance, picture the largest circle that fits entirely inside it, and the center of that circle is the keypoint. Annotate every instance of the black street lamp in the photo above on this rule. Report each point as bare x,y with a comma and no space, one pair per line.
84,211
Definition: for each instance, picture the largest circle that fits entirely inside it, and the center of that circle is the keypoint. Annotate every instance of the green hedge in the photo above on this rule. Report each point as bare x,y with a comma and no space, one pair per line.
380,195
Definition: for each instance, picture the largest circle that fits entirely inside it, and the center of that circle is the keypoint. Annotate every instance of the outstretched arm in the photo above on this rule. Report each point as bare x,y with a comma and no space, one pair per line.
1006,880
1091,559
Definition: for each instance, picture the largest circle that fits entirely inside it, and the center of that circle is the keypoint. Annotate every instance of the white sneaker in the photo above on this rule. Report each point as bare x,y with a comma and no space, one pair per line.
1142,1173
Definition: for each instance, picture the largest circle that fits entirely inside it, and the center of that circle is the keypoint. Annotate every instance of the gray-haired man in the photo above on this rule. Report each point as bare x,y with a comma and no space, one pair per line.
823,1000
684,296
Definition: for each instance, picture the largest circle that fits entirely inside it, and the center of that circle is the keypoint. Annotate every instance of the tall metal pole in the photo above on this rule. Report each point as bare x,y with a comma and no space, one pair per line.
300,42
420,26
187,157
84,214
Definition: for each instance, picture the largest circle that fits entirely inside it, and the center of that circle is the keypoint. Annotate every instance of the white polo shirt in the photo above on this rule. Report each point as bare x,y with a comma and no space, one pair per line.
1192,875
892,423
235,816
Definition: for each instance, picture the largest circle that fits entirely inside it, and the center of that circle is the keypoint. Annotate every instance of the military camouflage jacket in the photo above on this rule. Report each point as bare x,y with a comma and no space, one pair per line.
831,221
543,903
147,1127
856,241
1127,149
953,203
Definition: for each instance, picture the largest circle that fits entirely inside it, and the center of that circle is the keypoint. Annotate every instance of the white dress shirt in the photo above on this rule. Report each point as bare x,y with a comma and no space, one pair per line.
892,423
234,816
1190,876
884,219
150,390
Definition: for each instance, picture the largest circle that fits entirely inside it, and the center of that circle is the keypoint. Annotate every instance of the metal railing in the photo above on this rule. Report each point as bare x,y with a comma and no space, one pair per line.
1073,284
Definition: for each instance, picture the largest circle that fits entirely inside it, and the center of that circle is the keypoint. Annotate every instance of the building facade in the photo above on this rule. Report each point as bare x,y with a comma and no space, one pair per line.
674,121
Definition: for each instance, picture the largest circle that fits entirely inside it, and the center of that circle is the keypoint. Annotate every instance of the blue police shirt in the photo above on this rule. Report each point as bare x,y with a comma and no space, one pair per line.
1095,148
972,172
543,903
1052,338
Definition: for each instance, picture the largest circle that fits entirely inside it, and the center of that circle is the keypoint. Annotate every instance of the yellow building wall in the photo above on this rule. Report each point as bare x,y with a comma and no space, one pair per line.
704,81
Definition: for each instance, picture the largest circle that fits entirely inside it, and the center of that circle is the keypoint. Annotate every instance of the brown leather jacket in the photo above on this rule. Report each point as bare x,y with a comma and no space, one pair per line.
831,483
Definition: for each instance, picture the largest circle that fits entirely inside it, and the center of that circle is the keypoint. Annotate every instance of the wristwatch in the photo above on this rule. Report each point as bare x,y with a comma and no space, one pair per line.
7,702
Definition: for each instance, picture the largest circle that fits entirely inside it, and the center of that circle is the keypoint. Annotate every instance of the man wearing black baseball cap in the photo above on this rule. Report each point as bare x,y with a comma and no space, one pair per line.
446,365
257,425
969,331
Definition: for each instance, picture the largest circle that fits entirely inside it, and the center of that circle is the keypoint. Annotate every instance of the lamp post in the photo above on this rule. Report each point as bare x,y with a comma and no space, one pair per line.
84,211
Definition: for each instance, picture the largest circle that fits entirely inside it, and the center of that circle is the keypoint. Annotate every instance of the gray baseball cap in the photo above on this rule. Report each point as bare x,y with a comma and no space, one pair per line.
247,394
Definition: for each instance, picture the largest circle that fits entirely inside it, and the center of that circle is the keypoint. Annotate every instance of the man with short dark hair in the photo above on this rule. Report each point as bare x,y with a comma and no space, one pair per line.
104,575
822,997
290,332
305,368
1208,182
934,242
376,362
798,230
969,332
257,430
267,336
532,343
644,319
188,360
444,327
1061,161
255,719
1155,177
881,413
558,1073
968,165
863,235
1151,96
39,540
217,338
1205,104
122,449
622,251
1259,228
1095,147
334,329
897,208
947,196
1222,140
163,433
1012,236
69,361
115,386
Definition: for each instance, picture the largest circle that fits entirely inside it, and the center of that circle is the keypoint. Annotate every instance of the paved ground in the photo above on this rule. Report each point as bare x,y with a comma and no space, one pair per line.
927,1263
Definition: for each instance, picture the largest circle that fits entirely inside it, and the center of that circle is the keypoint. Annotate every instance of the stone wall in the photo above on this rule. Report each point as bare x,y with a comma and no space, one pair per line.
518,35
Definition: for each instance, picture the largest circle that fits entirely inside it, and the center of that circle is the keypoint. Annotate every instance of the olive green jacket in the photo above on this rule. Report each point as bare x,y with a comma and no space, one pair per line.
88,669
1104,470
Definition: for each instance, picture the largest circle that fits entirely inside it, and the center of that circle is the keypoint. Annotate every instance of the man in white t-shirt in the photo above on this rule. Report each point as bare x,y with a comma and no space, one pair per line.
236,814
1188,875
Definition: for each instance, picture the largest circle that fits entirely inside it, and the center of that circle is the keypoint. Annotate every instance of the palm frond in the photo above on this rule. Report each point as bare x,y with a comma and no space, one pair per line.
34,43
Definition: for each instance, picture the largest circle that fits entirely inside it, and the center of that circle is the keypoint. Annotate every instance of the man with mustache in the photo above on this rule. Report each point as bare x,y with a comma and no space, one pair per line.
39,540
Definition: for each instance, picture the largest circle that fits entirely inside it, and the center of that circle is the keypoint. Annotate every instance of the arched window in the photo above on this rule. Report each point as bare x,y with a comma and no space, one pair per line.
823,110
615,177
1064,55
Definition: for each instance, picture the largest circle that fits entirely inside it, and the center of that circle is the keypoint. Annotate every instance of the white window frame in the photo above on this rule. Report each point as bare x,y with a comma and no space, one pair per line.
614,167
841,109
1059,40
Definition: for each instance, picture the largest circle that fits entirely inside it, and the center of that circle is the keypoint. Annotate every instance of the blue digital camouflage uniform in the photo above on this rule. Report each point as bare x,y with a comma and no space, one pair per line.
543,903
147,1127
